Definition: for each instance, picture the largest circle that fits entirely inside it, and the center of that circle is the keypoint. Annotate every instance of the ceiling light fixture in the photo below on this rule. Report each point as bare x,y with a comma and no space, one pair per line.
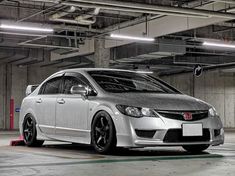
25,28
126,37
222,45
144,72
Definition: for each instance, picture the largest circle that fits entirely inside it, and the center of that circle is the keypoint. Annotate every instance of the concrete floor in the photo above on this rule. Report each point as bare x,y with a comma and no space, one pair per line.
64,159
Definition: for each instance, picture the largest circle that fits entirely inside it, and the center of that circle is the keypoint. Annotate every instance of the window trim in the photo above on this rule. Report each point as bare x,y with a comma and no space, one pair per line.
42,88
76,75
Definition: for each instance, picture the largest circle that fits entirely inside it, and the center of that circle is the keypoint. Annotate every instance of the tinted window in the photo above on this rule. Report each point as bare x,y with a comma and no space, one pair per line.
124,81
52,86
70,81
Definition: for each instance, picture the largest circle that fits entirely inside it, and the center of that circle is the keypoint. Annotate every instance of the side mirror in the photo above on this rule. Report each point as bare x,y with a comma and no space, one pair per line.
79,89
30,89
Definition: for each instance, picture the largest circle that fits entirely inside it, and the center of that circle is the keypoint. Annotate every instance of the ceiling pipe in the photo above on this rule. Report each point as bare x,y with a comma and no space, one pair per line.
81,19
82,22
87,16
67,11
149,8
46,46
134,10
132,14
47,1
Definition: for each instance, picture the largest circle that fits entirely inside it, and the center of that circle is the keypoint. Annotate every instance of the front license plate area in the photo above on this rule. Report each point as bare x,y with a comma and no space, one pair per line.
192,129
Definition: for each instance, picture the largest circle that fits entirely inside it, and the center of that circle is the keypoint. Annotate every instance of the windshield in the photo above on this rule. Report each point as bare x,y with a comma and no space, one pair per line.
124,81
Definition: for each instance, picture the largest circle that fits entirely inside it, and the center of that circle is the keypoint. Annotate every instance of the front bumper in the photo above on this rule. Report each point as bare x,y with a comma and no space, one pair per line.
167,132
141,142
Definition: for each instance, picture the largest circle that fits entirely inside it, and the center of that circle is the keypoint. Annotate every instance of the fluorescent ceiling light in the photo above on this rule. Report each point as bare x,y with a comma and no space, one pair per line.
25,28
219,45
146,72
131,37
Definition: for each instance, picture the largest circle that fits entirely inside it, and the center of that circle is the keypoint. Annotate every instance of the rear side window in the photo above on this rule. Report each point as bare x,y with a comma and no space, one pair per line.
52,86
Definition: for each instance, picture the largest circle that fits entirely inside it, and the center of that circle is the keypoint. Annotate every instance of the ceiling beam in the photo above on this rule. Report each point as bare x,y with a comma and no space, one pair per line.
152,8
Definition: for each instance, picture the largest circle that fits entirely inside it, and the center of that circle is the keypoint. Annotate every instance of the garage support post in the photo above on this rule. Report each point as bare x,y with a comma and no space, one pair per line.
102,54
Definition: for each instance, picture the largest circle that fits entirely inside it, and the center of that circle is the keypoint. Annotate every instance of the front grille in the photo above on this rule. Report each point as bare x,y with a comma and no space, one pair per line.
145,133
175,135
178,115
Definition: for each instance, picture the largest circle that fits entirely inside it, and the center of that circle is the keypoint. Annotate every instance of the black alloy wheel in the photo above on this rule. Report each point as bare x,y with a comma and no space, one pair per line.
30,132
103,135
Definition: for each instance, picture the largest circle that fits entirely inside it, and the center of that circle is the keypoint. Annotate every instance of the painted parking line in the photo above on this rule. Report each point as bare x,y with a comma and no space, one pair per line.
159,158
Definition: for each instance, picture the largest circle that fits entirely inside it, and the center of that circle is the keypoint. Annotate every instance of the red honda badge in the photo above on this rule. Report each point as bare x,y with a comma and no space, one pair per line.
187,116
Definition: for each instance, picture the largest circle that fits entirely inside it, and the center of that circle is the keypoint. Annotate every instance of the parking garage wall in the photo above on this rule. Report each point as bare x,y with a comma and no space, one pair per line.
13,82
214,87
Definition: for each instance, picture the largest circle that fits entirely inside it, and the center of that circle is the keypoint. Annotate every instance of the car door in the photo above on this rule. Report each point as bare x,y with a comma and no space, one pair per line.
71,110
46,104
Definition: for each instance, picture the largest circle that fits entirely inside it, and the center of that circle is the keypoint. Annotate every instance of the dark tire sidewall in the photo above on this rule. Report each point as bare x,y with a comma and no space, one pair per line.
33,140
112,134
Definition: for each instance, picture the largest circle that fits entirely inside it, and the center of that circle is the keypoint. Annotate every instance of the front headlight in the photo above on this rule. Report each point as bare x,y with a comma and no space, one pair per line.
212,112
136,111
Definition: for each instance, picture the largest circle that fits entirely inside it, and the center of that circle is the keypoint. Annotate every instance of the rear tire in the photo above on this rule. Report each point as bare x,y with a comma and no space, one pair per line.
103,133
195,148
30,132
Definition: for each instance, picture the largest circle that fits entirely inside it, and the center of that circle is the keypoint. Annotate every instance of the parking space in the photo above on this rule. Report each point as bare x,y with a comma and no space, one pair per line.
57,158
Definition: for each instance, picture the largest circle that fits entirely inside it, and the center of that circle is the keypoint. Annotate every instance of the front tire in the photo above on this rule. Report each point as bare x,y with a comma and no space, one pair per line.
30,132
195,148
103,133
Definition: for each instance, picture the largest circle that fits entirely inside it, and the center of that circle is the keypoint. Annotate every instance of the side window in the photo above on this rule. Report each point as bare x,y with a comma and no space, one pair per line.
70,81
52,86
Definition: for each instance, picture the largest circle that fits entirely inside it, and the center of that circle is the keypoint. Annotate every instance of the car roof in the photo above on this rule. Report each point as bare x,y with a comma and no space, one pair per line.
97,69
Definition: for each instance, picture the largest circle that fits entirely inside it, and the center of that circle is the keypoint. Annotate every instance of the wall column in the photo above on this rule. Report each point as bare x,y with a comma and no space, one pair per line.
102,55
2,95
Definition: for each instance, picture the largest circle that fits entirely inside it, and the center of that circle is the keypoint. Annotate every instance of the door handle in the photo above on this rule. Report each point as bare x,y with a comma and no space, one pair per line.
61,101
39,100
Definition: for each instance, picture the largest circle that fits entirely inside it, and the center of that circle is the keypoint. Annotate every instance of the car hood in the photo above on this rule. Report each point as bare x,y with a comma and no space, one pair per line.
174,102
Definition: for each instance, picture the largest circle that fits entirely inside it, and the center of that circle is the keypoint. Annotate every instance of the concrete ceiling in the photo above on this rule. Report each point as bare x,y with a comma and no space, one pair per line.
178,26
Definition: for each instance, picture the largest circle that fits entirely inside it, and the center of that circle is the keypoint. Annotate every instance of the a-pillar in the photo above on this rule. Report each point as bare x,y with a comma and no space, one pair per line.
102,54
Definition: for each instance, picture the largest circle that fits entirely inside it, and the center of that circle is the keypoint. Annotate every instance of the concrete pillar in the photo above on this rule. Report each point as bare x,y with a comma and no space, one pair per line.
2,95
18,86
7,95
102,55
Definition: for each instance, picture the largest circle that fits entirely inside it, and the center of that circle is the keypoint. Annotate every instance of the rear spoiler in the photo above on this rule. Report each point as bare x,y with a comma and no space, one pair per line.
30,89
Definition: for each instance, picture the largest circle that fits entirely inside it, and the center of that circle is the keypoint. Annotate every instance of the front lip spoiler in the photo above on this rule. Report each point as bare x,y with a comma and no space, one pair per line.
145,143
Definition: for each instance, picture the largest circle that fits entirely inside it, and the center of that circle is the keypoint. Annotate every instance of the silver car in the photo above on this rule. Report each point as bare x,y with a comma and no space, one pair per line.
110,108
